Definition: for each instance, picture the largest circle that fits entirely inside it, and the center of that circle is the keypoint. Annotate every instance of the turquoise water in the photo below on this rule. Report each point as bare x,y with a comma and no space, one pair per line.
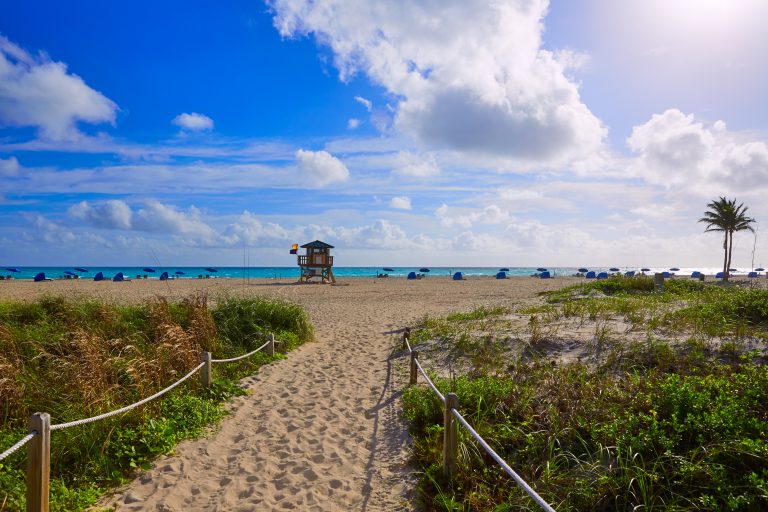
293,272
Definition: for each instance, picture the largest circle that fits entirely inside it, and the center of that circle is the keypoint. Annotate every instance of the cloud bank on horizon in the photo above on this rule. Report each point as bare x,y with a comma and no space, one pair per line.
470,133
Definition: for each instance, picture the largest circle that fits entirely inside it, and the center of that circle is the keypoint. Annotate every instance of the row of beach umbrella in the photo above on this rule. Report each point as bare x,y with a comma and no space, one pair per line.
148,270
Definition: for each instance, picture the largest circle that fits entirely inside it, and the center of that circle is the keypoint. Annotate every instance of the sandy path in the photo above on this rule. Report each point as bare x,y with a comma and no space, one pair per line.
321,430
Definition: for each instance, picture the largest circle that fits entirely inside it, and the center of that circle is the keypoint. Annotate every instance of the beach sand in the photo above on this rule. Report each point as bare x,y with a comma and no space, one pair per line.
320,430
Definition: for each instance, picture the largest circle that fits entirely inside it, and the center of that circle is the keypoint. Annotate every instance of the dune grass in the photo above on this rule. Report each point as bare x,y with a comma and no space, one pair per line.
79,358
649,426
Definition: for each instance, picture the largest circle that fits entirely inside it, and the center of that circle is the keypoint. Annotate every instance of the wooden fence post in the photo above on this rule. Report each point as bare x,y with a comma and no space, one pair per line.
414,370
271,346
406,337
39,463
206,372
450,438
658,281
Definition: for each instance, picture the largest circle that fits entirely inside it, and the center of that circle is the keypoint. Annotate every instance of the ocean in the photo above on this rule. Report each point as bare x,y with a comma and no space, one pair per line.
339,272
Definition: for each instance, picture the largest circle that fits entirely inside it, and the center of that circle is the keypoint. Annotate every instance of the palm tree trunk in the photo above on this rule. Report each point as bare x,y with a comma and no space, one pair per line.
730,250
725,257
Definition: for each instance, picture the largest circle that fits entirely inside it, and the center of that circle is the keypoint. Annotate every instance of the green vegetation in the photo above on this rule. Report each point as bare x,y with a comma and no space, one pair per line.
651,424
79,358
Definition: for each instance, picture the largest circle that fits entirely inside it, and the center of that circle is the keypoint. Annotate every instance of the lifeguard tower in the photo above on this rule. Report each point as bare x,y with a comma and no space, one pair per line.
317,262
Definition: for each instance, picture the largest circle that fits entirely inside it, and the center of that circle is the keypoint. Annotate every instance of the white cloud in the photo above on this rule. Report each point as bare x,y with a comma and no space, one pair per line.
156,217
36,91
353,123
320,168
401,203
251,230
674,149
48,231
9,167
194,122
364,102
417,166
112,214
491,214
469,75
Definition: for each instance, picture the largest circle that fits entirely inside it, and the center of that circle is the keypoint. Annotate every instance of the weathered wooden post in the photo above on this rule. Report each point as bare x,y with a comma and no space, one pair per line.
406,337
206,373
414,370
658,281
271,346
39,463
450,437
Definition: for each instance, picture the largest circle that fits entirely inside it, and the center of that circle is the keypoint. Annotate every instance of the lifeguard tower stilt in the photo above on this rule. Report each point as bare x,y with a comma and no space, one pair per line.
317,262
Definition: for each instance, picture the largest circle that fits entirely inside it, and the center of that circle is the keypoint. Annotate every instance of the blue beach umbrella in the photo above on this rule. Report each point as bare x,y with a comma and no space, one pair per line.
541,269
645,270
613,269
733,270
12,269
179,273
505,269
423,270
759,269
674,269
81,269
147,269
210,269
583,269
387,269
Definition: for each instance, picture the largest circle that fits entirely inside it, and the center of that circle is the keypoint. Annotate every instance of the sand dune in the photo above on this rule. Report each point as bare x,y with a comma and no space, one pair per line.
321,430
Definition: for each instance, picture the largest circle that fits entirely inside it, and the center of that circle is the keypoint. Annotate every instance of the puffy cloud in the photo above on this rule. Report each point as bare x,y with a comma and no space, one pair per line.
194,122
364,102
160,218
36,91
353,123
252,231
409,164
320,168
48,231
401,203
674,149
469,75
9,167
112,214
491,214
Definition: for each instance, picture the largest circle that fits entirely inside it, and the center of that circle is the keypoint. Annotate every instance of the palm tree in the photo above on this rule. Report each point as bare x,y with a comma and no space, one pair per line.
724,215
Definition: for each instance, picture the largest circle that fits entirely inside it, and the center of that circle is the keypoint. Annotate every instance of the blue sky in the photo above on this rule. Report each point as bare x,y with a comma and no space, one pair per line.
404,133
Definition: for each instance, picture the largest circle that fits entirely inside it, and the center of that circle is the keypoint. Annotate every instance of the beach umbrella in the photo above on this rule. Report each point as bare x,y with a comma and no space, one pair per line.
69,273
733,270
674,269
147,269
12,269
179,273
613,269
541,269
81,269
505,269
210,269
645,270
760,269
583,270
387,269
423,270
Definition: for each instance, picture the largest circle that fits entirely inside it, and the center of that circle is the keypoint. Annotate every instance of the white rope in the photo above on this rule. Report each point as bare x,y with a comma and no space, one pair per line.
127,407
231,359
439,394
538,499
408,345
24,440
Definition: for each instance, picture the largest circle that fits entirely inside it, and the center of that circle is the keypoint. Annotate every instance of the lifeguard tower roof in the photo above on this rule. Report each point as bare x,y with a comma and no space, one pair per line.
317,244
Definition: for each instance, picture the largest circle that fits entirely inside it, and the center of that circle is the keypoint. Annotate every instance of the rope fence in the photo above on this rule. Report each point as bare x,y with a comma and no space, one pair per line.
40,428
450,437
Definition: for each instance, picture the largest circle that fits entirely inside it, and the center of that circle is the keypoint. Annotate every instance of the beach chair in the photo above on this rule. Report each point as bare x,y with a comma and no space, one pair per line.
631,273
602,275
119,278
752,274
695,274
666,275
458,276
590,275
501,275
719,275
411,276
545,275
41,277
164,276
99,276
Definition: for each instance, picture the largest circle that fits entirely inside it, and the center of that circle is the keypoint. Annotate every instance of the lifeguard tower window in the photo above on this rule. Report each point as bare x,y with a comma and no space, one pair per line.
317,262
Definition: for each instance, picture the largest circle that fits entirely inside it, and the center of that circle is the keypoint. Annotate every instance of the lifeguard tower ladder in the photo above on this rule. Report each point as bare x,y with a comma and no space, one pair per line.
317,262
